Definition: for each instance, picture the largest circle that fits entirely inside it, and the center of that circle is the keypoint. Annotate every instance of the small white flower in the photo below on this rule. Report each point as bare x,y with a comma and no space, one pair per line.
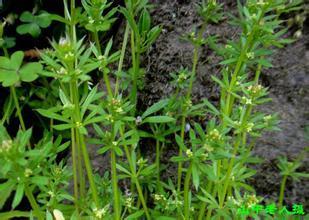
250,55
28,172
249,127
189,153
51,193
101,57
158,197
68,56
78,124
62,71
253,16
119,110
188,103
214,134
129,202
267,118
64,41
58,215
138,120
141,161
90,20
246,100
261,2
6,145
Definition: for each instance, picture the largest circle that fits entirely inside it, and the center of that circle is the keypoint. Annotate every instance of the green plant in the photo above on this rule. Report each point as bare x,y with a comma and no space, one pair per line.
33,23
288,169
142,36
26,170
214,154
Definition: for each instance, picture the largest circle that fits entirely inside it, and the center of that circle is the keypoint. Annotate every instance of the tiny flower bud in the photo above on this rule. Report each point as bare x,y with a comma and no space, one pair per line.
188,127
138,120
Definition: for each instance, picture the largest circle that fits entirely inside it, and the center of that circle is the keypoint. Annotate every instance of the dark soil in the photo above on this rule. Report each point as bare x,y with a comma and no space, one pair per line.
288,83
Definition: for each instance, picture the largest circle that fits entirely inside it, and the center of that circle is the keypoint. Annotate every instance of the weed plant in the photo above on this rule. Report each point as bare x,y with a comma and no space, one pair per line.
214,155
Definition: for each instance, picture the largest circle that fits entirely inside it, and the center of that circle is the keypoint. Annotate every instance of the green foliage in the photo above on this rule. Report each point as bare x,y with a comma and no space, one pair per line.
290,168
33,23
12,70
25,169
94,18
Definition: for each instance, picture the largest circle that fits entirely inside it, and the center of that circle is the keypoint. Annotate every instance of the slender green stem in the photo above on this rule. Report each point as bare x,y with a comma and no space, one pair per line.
33,203
14,214
97,41
209,212
133,172
73,27
81,176
105,75
183,119
203,207
282,189
82,146
229,102
135,72
140,192
122,54
182,135
75,173
13,91
229,172
7,110
258,73
186,192
158,165
89,171
115,186
117,207
5,51
188,97
108,85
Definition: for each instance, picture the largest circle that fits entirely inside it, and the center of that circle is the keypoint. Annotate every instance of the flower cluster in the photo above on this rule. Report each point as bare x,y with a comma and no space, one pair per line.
6,146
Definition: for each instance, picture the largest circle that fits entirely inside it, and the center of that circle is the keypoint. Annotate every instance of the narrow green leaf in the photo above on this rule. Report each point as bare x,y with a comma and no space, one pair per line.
119,167
158,119
195,177
62,127
135,215
49,114
144,22
155,107
18,195
5,191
